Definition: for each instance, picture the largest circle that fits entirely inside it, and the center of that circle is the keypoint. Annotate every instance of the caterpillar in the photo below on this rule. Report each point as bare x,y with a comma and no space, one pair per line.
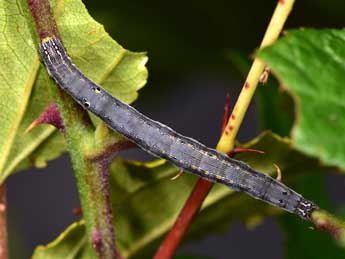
162,141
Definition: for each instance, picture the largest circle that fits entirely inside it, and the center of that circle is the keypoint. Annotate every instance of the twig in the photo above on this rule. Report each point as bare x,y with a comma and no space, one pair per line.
226,142
273,31
324,221
3,223
184,219
90,161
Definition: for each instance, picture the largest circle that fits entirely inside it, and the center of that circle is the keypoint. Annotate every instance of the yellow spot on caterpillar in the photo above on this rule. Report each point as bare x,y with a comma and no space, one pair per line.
194,167
219,177
46,39
203,152
206,173
97,90
189,145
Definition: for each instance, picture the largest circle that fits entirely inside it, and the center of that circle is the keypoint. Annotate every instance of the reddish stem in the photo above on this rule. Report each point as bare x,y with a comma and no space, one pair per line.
226,112
3,224
97,239
190,209
44,18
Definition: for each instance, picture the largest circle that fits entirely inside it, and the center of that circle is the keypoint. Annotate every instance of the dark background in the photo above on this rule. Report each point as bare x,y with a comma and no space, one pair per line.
190,72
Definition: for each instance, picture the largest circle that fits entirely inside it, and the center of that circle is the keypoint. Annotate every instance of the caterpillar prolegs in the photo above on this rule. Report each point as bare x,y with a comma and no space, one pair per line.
164,142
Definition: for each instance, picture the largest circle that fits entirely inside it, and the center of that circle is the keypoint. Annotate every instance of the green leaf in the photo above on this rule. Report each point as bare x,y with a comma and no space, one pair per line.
310,64
24,86
146,201
75,245
44,152
276,108
19,69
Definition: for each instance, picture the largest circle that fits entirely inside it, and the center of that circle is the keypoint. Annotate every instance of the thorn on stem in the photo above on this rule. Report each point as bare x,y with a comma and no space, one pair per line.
77,211
179,173
264,76
2,207
279,173
226,112
51,115
238,150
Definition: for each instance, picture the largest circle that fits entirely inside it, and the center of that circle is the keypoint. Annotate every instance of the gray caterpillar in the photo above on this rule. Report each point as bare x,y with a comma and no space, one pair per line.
162,141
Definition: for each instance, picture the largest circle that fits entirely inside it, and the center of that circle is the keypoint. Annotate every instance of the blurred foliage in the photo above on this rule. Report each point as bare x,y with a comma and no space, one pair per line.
146,201
310,65
300,240
183,37
284,58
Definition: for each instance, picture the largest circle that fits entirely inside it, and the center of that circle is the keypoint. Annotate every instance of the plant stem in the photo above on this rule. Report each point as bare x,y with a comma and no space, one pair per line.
3,223
273,31
184,219
226,142
92,174
324,221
